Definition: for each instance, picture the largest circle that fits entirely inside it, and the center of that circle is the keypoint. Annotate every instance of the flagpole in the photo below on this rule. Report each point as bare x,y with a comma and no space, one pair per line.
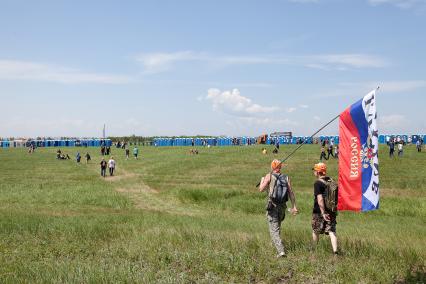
304,142
312,136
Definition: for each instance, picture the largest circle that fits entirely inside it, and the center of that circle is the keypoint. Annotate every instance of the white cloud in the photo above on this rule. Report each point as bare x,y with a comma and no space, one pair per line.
402,4
303,106
392,123
291,109
389,86
273,122
233,102
25,70
402,86
161,62
342,61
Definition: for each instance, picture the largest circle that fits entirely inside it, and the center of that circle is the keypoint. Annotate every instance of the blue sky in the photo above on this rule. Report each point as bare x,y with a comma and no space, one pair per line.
208,67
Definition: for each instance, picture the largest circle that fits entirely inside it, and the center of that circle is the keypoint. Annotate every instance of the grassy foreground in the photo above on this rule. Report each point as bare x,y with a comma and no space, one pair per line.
171,217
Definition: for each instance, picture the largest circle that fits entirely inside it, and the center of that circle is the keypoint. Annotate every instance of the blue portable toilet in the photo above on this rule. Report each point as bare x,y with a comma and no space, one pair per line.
382,139
414,139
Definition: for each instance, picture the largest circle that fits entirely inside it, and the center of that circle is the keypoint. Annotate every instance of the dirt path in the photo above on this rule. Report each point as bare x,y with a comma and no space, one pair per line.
146,198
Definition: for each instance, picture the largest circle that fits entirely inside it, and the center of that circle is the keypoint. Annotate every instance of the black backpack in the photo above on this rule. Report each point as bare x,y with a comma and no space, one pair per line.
330,194
278,194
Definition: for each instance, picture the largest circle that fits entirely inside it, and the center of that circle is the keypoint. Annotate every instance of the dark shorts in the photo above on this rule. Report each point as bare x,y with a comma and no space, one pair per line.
320,226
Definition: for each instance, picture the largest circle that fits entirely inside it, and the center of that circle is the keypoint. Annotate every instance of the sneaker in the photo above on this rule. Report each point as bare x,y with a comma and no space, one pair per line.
281,254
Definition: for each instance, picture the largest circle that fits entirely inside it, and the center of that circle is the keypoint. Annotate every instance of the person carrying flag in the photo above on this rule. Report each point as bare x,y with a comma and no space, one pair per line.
323,220
279,190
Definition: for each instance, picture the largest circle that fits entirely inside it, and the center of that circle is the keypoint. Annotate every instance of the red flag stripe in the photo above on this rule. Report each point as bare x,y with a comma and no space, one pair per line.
350,177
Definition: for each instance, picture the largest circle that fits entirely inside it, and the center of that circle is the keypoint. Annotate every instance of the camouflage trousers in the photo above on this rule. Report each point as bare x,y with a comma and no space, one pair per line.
275,216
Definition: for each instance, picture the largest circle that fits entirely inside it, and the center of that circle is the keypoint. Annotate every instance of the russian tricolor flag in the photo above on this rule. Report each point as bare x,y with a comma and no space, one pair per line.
358,156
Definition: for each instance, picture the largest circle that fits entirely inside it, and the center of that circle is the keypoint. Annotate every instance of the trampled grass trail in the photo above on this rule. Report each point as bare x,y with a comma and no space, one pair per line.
172,217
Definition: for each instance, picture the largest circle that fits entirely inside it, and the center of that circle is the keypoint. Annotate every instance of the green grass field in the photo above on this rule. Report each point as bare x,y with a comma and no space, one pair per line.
171,217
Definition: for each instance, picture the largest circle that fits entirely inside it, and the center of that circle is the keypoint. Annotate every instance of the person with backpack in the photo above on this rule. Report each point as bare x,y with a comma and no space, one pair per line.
325,206
279,190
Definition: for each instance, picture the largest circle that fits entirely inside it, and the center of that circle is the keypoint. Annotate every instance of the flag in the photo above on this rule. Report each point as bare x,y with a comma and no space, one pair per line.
358,156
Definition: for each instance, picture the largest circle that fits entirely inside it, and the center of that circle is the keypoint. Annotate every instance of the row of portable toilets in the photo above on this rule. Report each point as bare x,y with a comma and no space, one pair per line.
232,141
57,143
217,141
236,141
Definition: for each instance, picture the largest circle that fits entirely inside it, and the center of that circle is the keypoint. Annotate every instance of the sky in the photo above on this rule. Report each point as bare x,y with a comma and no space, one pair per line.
190,67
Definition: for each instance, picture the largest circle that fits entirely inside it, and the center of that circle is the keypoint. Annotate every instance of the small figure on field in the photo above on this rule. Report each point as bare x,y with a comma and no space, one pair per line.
336,151
419,146
31,149
323,154
127,153
88,158
102,150
400,149
193,152
325,206
58,154
264,151
103,167
275,151
135,152
78,157
330,151
391,148
279,190
111,166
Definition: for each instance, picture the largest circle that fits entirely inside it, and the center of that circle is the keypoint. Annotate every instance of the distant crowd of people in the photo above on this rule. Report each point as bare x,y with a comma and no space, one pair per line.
331,148
396,142
105,151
